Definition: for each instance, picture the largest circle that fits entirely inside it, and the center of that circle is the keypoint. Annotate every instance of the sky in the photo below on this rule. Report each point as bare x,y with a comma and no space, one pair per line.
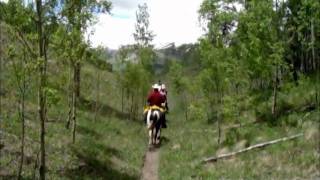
170,20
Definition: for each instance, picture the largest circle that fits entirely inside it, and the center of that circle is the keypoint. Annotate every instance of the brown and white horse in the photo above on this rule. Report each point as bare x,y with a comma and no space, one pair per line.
154,126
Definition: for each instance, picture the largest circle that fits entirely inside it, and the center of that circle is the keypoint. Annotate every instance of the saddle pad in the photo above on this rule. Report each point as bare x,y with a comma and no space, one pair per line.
153,108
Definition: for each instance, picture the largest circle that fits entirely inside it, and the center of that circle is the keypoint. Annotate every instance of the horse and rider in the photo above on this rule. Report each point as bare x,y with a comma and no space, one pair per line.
154,113
157,98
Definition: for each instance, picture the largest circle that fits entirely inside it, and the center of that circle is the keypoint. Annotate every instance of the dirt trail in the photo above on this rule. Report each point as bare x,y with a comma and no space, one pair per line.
151,164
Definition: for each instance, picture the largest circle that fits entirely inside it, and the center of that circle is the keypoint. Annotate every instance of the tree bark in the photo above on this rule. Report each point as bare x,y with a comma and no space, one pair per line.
22,117
78,62
77,78
22,88
1,59
96,109
74,118
274,97
122,99
42,85
220,113
214,159
131,107
74,104
70,97
312,45
219,131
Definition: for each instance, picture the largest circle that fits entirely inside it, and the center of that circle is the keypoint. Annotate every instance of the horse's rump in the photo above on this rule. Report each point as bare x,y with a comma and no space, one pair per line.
153,118
154,126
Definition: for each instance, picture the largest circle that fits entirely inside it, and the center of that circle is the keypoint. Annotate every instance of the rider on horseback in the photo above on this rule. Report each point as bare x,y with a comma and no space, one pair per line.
155,98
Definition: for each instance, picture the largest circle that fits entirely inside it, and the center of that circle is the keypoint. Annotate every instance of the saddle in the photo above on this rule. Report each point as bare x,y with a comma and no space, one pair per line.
154,107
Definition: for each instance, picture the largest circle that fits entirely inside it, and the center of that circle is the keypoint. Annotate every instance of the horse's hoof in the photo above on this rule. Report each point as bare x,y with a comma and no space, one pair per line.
151,147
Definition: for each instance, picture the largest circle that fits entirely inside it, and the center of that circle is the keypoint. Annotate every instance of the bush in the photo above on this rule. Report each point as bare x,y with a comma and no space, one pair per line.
196,112
232,136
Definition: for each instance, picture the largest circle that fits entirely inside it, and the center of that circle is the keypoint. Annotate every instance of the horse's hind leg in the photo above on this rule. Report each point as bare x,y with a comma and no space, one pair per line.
154,136
158,136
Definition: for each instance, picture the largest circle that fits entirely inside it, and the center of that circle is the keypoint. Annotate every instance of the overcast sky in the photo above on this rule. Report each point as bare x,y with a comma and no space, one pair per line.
170,20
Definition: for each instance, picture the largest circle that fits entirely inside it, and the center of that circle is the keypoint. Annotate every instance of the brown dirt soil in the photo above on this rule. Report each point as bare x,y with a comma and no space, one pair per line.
151,164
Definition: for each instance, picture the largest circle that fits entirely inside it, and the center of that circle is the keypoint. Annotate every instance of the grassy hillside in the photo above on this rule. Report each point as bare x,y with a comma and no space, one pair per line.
189,142
108,145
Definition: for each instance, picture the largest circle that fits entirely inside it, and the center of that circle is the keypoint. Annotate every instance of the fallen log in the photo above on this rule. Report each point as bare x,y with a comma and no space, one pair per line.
214,159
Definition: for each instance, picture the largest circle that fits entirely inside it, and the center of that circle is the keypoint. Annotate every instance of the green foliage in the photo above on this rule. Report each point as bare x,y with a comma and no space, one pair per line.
197,111
52,96
178,80
229,76
147,59
258,40
301,34
98,58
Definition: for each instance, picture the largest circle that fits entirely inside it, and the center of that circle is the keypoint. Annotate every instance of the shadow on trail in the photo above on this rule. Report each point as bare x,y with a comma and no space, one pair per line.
95,163
105,109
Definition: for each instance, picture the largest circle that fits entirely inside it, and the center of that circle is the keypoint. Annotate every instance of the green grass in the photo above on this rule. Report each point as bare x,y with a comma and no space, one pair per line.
113,147
181,156
110,147
191,141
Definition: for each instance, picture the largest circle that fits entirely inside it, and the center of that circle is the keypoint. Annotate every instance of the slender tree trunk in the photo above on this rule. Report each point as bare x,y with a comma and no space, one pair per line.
70,97
122,99
22,118
78,64
185,104
74,105
219,130
22,88
96,109
35,167
312,45
1,59
74,119
274,97
131,109
42,85
220,109
238,106
220,117
135,111
77,78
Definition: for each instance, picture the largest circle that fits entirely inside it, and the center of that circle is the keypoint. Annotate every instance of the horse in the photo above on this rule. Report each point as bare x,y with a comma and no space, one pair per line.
154,126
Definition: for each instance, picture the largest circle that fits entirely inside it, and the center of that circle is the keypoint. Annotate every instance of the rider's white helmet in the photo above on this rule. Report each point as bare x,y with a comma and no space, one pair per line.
163,86
156,86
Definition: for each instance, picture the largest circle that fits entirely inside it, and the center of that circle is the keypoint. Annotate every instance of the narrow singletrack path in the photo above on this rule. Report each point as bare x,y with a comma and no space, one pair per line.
151,164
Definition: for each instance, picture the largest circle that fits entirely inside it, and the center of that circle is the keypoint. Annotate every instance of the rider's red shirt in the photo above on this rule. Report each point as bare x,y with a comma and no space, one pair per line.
155,98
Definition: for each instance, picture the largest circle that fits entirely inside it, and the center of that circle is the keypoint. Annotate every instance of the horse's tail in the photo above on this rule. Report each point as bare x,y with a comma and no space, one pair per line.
152,117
